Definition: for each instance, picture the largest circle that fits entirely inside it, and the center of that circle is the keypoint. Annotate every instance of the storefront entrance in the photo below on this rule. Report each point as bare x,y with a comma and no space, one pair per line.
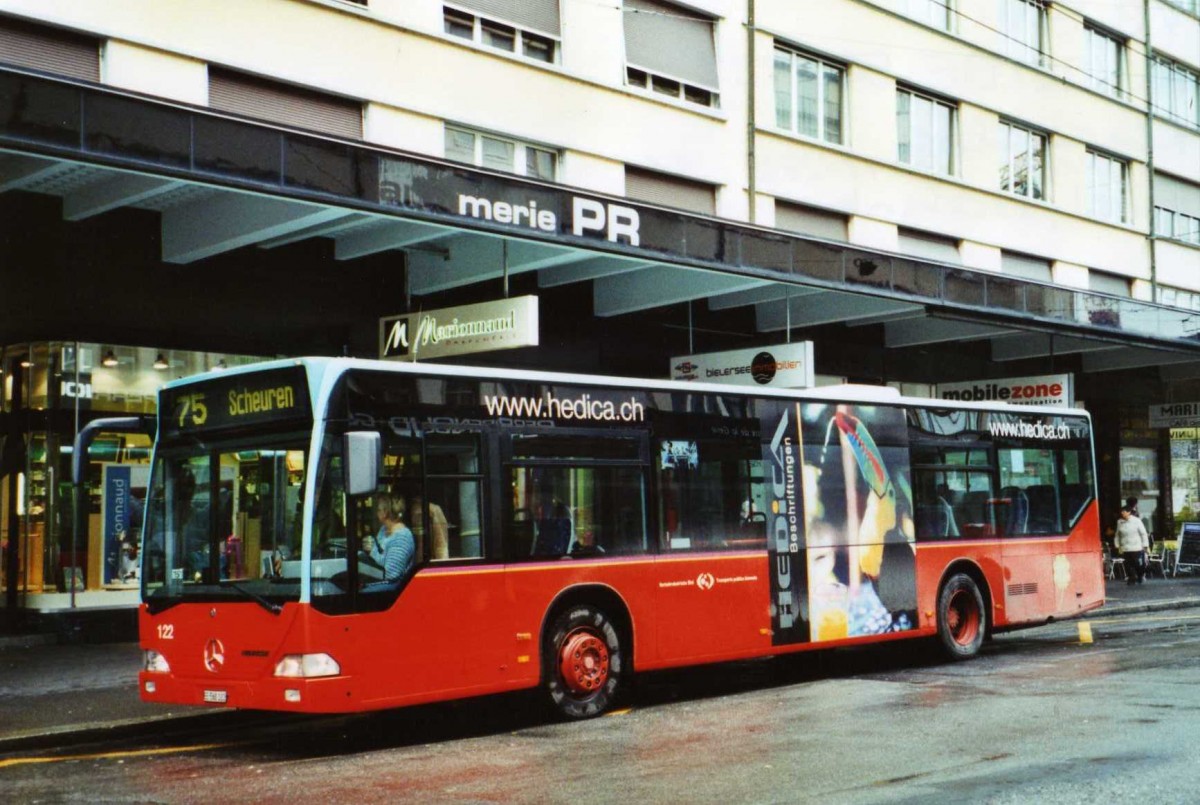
53,559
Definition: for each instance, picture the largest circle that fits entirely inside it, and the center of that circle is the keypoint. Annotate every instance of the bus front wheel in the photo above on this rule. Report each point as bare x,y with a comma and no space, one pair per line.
962,620
582,662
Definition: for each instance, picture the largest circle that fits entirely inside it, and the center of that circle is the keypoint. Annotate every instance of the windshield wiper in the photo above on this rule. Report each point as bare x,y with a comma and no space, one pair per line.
273,608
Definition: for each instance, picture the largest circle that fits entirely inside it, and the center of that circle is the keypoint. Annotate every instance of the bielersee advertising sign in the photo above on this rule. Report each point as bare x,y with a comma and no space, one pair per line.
781,366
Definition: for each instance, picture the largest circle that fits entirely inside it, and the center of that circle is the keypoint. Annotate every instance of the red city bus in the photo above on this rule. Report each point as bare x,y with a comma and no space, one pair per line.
564,531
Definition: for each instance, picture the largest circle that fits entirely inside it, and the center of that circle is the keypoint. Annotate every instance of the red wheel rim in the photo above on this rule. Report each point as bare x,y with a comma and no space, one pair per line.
963,618
583,662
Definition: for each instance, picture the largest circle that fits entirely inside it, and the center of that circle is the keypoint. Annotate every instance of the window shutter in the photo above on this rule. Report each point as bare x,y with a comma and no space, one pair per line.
1176,195
41,47
670,191
810,221
1108,283
930,246
1020,265
536,15
280,103
671,40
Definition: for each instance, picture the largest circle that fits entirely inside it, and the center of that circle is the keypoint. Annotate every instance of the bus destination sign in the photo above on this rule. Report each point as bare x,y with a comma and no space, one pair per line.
276,395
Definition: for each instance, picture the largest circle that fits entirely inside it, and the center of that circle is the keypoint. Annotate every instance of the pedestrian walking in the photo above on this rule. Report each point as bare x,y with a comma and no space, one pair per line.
1132,541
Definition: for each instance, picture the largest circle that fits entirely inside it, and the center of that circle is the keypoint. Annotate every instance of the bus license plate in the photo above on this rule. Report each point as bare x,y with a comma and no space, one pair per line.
216,696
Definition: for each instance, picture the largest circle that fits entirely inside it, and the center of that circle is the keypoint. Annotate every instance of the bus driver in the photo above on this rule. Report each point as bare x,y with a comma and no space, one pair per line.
394,549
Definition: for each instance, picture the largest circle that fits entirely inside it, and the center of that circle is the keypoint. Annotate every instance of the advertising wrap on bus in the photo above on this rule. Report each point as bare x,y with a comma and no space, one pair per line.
849,466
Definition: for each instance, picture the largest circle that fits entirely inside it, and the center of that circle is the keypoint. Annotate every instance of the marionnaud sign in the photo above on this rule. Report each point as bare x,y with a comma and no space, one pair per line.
1175,415
782,365
500,324
1037,390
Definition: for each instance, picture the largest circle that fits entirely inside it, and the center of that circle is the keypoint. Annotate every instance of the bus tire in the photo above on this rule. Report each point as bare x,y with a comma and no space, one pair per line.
582,662
962,619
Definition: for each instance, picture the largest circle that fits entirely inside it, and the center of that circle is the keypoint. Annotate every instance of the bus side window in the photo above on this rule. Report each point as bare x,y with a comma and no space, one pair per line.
953,502
1029,491
711,495
452,505
576,511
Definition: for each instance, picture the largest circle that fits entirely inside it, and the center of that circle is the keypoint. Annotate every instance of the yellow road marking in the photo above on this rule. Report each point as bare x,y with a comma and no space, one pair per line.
1085,632
19,761
622,712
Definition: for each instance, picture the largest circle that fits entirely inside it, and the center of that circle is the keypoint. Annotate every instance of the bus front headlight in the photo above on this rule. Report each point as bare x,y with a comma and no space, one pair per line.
155,663
307,666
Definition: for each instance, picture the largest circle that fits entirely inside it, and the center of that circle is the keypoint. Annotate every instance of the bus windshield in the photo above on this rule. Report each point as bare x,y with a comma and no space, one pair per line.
223,521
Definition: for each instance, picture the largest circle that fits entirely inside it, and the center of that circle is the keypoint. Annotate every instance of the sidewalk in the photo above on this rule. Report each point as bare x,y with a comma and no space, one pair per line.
57,684
1156,593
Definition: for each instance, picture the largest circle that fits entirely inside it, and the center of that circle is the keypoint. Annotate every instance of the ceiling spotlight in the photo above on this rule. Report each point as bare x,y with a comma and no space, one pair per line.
26,363
109,359
221,366
160,363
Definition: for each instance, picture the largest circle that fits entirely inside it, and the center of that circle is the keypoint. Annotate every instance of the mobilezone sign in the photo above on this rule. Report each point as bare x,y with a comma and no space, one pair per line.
1055,390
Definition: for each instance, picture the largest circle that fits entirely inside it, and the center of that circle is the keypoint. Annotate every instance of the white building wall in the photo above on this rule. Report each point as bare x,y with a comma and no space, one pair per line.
154,72
1175,33
414,79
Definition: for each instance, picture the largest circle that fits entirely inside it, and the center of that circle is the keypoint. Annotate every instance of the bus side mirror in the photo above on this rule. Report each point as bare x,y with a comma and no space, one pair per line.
361,451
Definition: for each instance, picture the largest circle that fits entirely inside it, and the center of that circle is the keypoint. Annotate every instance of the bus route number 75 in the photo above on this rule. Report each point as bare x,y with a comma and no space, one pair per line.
192,410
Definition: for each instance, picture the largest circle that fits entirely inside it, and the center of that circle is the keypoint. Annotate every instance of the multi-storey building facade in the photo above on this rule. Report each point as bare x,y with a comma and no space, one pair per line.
1012,184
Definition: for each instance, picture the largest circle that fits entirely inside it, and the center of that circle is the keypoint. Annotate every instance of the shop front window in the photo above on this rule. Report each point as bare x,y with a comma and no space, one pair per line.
1139,474
1185,476
51,556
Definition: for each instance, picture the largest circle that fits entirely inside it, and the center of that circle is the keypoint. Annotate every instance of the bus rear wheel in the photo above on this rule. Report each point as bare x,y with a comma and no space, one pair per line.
962,620
582,662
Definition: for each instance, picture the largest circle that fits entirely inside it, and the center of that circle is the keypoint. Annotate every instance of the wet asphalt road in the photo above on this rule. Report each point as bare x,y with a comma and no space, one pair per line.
1038,717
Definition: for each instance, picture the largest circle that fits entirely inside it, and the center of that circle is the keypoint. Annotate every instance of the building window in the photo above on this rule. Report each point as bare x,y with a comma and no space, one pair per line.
1105,60
1106,187
51,49
501,154
687,69
925,132
931,12
1175,92
1175,225
1023,160
1188,300
1023,26
504,36
1190,6
252,96
808,95
670,191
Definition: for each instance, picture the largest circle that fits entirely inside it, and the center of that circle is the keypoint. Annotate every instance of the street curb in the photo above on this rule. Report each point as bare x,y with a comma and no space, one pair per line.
159,726
1148,606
